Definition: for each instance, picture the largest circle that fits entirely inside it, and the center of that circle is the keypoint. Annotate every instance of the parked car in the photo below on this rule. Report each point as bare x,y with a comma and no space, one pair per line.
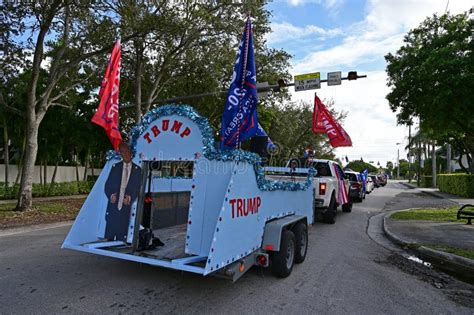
369,185
375,180
356,191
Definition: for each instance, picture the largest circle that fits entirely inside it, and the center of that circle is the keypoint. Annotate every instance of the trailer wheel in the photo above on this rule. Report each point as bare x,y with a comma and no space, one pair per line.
284,259
347,207
330,215
301,235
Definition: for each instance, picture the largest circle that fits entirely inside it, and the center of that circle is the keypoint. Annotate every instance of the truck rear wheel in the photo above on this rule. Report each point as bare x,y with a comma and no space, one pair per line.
330,215
284,259
347,207
301,235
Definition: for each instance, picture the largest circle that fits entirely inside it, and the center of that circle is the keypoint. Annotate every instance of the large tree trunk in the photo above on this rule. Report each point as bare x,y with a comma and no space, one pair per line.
19,165
25,198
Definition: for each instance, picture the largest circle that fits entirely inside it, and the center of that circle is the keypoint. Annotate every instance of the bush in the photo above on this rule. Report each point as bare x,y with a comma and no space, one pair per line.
457,184
426,181
48,190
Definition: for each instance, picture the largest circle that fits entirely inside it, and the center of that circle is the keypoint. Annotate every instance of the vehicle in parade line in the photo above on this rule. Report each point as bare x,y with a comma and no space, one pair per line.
369,185
375,180
383,179
356,189
193,207
329,185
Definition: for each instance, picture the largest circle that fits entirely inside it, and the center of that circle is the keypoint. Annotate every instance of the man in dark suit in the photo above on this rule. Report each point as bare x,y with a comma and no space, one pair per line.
121,188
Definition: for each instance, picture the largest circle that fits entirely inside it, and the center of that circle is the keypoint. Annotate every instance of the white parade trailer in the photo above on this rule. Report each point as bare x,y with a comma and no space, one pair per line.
214,211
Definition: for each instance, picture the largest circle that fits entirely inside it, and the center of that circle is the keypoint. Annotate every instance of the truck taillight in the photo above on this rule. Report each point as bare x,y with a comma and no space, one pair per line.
355,185
262,260
322,188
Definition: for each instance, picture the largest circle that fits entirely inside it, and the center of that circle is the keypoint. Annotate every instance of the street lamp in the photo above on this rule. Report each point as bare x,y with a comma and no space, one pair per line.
398,160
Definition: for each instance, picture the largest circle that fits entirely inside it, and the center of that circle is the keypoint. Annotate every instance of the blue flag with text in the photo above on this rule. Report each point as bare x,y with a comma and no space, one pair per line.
364,175
239,120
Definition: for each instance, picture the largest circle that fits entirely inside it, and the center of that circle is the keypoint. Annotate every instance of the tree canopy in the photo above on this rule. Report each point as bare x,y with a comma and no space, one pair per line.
55,54
360,165
432,78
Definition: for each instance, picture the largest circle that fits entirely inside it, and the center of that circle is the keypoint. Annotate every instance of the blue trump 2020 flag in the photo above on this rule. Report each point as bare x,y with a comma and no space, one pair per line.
364,174
239,120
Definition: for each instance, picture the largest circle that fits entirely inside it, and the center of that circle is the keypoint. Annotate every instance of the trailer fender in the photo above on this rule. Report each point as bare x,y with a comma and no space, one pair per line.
273,230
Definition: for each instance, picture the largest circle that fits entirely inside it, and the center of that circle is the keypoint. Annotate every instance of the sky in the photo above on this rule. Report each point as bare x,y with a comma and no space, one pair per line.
346,35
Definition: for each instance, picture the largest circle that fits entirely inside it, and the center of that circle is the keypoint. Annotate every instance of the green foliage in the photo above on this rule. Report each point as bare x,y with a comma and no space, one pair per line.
7,211
426,181
359,166
289,127
457,184
404,169
49,190
439,215
431,77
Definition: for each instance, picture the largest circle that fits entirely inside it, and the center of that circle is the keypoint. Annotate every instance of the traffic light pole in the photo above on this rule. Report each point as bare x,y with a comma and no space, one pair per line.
275,88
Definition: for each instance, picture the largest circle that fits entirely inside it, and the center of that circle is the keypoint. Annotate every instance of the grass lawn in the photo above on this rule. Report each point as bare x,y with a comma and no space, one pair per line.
42,212
437,214
468,253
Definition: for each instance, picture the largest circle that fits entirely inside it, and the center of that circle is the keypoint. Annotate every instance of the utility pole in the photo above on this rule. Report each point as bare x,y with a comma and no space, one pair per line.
419,158
409,153
448,158
433,164
398,160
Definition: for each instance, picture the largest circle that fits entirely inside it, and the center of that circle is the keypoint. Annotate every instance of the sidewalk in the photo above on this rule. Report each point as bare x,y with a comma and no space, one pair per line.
439,194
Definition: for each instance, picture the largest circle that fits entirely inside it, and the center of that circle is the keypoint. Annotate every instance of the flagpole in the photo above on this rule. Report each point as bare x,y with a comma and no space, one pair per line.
242,82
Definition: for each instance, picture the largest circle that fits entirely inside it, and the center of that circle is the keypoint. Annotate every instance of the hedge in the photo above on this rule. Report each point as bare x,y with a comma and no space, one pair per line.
48,190
457,184
426,181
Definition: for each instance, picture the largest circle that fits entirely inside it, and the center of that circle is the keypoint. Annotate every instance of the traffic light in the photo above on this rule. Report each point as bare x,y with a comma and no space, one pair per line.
352,75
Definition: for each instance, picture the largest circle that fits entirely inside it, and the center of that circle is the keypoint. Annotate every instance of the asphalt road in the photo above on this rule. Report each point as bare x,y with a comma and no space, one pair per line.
345,271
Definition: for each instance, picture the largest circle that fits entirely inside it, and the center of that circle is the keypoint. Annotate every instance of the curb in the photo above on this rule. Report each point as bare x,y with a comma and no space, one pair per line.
426,192
449,262
432,193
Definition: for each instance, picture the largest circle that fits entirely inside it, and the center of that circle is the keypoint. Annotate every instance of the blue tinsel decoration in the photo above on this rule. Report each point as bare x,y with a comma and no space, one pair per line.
209,151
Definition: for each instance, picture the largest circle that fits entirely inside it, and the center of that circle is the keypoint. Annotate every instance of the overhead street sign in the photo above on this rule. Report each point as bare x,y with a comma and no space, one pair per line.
334,78
307,81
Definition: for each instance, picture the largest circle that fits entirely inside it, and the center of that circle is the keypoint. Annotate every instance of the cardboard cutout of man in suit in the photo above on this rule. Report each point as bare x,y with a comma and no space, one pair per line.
121,188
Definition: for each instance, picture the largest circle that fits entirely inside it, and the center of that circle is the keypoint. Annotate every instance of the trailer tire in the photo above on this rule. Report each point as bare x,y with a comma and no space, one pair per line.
301,236
347,207
330,215
284,259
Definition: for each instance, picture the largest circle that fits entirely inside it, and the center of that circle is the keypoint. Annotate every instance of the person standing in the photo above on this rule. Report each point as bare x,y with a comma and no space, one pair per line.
121,188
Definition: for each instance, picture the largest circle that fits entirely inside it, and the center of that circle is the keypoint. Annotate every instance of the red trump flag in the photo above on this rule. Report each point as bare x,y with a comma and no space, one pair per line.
323,122
107,115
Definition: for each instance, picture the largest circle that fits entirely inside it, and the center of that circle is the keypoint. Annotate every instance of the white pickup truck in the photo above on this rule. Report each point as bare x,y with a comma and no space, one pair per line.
326,184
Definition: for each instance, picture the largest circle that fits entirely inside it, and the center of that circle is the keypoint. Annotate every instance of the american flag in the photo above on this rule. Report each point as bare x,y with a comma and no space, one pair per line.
342,196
